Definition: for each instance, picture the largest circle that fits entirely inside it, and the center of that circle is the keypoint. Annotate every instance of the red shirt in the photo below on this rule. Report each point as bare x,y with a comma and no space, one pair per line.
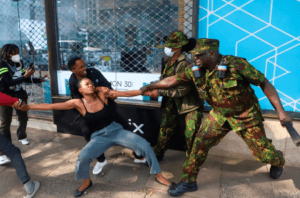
7,100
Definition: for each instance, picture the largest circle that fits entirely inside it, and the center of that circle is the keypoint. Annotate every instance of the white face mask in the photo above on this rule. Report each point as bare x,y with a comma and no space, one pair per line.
168,51
16,58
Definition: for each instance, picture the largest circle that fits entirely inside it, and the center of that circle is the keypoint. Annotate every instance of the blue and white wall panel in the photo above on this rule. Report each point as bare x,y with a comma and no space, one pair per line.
266,33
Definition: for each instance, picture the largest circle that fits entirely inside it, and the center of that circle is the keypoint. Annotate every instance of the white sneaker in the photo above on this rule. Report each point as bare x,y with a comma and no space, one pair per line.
4,160
138,161
98,167
24,141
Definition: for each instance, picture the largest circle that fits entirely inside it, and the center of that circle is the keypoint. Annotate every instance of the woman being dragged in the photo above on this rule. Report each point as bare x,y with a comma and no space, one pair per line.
104,130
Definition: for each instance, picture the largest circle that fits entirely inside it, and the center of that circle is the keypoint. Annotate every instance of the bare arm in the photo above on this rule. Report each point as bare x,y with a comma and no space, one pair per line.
163,84
101,89
271,93
114,94
70,104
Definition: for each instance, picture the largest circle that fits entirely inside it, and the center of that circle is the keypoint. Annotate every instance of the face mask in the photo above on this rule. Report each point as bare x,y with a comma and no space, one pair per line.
168,52
16,58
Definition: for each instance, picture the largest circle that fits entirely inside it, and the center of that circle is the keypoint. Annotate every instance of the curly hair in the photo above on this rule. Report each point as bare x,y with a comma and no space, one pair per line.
7,50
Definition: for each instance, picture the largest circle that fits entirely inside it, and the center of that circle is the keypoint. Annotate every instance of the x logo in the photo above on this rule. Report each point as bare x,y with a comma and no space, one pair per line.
138,128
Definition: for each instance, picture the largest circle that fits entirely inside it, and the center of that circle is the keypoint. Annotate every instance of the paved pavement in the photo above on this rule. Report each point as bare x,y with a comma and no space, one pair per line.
230,170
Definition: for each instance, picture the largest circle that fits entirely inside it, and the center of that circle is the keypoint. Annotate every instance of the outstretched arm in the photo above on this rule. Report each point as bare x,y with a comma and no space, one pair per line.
163,84
108,93
271,93
131,93
70,104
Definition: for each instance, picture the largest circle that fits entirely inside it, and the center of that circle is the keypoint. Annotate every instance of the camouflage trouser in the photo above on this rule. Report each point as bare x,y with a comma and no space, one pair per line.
168,123
211,134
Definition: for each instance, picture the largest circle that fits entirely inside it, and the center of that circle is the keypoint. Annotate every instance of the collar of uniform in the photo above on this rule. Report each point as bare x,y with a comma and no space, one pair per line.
181,57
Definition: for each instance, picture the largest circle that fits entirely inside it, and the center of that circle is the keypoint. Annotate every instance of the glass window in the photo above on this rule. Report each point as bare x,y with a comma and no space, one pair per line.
123,38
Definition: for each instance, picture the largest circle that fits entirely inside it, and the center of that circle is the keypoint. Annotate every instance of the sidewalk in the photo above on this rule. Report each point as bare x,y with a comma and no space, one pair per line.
229,171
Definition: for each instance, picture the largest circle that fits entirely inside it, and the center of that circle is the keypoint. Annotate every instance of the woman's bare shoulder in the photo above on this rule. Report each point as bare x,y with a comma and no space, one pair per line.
77,102
102,96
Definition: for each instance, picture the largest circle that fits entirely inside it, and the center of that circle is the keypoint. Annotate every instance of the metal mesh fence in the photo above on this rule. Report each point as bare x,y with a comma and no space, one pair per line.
119,35
112,36
23,23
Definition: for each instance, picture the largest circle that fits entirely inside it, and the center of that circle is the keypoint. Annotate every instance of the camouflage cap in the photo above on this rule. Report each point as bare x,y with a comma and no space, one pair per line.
176,39
205,44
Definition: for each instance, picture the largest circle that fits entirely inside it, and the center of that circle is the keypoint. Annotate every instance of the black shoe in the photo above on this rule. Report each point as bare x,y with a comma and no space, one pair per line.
182,187
275,172
79,193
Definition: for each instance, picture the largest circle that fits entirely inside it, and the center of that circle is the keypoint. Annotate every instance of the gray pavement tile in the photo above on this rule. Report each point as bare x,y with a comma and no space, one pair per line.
141,172
114,191
49,157
35,135
66,170
156,193
9,180
53,187
276,133
292,154
125,174
37,138
3,167
288,185
209,177
243,179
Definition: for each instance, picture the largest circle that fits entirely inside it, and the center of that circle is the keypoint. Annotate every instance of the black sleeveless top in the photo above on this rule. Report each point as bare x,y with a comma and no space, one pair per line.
100,119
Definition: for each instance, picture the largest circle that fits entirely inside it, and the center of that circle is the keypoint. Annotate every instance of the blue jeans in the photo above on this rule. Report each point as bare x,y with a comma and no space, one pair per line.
113,134
14,154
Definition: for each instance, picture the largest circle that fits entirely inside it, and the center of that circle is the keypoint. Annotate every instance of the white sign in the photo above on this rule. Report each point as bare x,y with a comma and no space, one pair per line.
121,81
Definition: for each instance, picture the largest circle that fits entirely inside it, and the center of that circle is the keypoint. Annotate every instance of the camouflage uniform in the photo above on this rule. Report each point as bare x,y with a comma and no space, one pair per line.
235,107
182,99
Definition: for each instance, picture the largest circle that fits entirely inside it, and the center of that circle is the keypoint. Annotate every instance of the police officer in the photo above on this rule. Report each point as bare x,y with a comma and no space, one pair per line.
235,107
180,100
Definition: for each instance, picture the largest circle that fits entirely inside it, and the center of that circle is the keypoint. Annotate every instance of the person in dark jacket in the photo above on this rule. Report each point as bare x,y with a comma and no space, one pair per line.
12,75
